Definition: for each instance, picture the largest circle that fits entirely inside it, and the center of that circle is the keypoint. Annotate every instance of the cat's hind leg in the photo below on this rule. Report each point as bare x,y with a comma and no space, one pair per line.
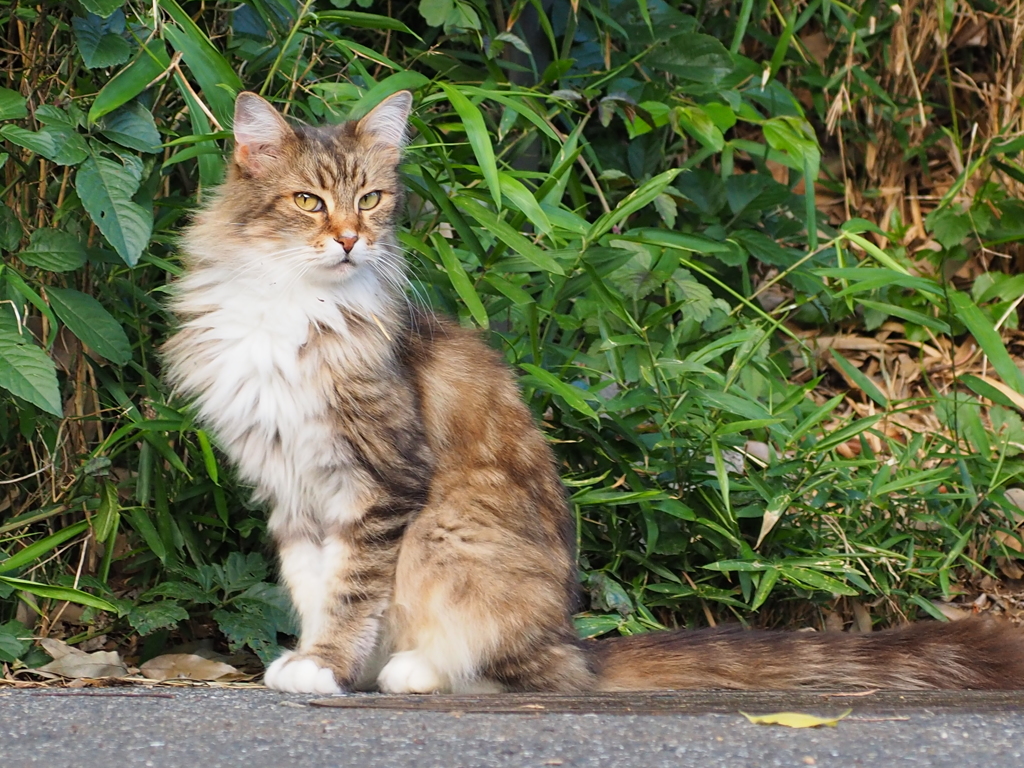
479,607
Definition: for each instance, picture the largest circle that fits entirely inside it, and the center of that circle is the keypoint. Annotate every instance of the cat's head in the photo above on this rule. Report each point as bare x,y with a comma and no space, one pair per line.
320,201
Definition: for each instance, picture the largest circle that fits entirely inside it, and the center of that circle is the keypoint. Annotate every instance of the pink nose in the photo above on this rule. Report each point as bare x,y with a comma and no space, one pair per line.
348,242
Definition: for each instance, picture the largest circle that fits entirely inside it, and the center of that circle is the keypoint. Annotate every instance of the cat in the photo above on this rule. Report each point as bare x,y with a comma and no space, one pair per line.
420,523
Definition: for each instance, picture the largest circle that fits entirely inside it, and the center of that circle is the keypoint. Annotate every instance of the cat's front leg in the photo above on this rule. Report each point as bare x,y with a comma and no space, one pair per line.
340,592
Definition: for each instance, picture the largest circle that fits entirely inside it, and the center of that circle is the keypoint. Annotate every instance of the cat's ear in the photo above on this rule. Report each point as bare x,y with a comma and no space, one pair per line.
260,132
388,121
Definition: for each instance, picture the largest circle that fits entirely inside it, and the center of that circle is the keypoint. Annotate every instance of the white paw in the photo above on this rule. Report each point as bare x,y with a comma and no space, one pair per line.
409,672
292,673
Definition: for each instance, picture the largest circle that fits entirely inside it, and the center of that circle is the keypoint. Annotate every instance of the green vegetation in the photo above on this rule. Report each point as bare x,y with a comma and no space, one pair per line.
617,192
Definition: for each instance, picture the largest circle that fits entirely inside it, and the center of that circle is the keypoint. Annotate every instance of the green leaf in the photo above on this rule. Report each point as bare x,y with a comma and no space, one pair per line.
633,202
151,62
435,12
866,385
524,200
62,145
149,618
91,323
816,580
479,139
249,627
696,122
460,280
11,231
100,42
365,21
12,105
105,517
27,371
102,8
106,188
551,383
59,593
15,640
43,546
693,56
592,626
54,250
216,77
504,232
988,338
132,126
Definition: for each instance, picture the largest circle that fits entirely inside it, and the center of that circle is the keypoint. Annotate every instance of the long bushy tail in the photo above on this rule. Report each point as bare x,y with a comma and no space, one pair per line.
974,653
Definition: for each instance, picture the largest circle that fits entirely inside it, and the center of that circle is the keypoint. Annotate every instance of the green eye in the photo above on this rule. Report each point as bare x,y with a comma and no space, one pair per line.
369,201
309,203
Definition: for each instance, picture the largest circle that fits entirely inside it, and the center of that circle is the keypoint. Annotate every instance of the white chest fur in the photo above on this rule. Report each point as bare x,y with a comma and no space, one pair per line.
241,355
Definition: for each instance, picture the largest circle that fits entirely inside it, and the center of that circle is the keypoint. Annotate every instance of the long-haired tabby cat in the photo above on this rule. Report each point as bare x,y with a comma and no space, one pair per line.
420,522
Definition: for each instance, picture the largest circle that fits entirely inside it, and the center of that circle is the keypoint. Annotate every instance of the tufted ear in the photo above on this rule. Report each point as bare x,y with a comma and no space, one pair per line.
260,132
387,122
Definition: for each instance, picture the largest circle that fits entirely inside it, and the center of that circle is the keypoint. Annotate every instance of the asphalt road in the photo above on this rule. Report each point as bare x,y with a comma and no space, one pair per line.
209,728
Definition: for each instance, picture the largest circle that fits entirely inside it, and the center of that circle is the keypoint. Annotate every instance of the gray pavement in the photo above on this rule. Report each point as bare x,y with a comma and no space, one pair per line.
209,728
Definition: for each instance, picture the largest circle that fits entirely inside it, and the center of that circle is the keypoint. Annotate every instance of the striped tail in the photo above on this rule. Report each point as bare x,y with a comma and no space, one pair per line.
970,654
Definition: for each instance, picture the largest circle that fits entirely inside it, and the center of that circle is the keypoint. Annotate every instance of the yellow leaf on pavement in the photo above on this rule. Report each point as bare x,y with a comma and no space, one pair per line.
795,719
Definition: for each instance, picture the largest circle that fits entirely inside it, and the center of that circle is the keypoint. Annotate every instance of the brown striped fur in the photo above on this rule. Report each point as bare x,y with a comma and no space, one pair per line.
421,524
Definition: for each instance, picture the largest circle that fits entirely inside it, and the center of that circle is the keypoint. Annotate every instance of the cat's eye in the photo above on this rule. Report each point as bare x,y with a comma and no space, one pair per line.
309,203
369,201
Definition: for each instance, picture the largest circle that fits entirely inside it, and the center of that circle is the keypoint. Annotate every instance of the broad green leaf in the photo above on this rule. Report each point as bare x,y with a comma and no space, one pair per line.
479,138
64,146
60,593
460,280
132,126
106,188
12,105
15,640
504,232
91,323
692,56
151,62
54,250
100,42
102,8
455,15
551,383
27,371
11,230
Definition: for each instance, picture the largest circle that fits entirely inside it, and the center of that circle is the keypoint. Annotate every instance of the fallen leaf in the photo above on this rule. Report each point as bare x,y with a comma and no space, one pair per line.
795,719
185,666
73,663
